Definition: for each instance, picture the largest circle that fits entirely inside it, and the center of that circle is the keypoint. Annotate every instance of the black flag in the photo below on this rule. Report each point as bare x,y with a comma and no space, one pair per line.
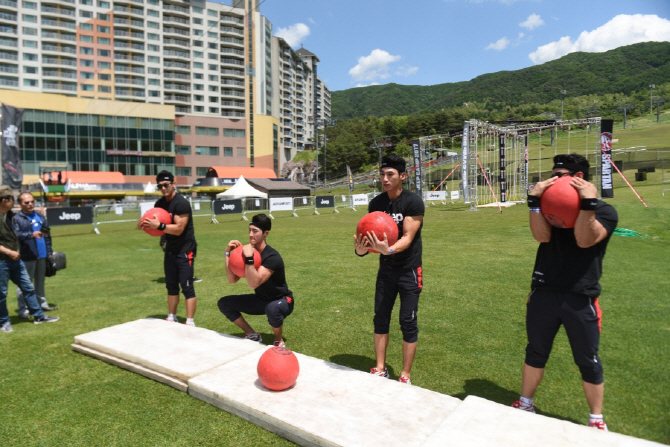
12,174
606,187
350,179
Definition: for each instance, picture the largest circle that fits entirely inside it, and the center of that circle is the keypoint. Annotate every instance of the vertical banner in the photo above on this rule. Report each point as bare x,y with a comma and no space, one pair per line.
525,164
465,162
503,179
12,174
350,179
418,175
606,188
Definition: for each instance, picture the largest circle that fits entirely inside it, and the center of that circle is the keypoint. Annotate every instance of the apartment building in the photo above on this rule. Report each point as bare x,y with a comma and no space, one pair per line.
215,64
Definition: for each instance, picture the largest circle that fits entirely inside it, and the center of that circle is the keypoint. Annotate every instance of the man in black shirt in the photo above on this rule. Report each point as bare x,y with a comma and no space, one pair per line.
180,246
271,296
399,265
565,286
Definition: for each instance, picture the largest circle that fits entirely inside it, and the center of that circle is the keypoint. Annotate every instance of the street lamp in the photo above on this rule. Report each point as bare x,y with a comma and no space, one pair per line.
563,93
651,98
325,123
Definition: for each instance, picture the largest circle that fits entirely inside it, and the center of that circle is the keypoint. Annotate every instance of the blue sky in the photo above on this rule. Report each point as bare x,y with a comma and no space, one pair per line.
427,42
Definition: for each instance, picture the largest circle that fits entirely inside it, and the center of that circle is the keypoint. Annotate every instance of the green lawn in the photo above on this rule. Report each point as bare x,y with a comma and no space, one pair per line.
477,274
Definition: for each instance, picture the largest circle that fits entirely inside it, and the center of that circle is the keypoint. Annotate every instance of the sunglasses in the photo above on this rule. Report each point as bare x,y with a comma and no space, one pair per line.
163,185
7,198
28,201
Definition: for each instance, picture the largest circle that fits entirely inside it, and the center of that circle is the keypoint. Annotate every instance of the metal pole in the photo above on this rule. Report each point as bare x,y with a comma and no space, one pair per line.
651,98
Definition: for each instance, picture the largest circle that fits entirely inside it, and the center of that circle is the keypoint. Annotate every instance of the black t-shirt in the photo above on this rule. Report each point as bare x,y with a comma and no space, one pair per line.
275,287
179,206
406,204
561,264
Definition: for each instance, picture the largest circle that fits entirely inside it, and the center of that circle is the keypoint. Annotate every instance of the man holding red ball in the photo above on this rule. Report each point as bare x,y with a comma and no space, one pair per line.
565,286
271,296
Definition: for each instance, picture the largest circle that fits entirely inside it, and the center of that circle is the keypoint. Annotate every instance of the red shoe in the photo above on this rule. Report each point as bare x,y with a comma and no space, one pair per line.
598,423
518,405
404,379
381,373
279,343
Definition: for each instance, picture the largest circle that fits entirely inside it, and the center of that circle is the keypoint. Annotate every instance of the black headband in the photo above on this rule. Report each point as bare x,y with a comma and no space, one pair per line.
572,167
256,222
397,165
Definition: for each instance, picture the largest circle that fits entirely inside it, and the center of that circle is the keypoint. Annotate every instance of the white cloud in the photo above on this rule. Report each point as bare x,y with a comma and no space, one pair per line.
533,21
406,70
499,45
620,31
294,34
311,20
374,66
367,85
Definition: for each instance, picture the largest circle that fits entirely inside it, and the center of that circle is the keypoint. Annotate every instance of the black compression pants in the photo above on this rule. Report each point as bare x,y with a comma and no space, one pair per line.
392,282
179,272
581,317
233,306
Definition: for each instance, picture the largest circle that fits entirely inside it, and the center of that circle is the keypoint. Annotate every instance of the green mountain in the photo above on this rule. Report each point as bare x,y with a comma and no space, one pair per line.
622,70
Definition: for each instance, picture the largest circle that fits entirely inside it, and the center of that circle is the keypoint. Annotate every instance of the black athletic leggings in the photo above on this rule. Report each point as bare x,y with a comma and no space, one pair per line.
392,282
233,306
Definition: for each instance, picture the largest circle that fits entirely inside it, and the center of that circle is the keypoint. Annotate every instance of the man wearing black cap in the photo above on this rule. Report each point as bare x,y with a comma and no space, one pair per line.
180,246
565,286
271,294
399,265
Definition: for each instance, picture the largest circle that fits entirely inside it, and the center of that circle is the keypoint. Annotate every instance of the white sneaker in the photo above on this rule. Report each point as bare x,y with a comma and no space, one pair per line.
187,323
253,337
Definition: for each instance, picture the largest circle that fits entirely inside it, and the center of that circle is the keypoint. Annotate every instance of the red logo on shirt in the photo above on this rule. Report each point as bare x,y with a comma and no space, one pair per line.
289,299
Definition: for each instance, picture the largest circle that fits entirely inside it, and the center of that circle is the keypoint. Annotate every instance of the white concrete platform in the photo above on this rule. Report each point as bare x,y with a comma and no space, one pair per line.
330,405
479,422
158,348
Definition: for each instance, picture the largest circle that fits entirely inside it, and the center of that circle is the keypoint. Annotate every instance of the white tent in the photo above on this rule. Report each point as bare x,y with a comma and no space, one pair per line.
240,190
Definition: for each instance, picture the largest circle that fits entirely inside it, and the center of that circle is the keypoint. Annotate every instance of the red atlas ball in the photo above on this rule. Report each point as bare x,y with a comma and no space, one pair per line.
236,261
378,223
560,203
278,368
163,217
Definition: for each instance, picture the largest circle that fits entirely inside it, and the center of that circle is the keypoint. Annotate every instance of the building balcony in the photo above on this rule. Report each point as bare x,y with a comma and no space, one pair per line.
178,98
59,86
231,41
120,10
46,60
5,42
59,48
8,29
229,61
235,104
128,45
128,22
173,86
232,113
173,9
174,19
177,66
171,75
129,34
54,73
237,52
175,54
173,30
8,82
234,93
230,30
8,69
50,10
230,72
50,35
176,42
182,110
8,4
230,19
59,24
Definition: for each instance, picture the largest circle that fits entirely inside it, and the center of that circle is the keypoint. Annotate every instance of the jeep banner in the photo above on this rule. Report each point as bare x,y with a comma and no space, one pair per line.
12,174
227,206
281,204
325,201
436,195
606,187
73,215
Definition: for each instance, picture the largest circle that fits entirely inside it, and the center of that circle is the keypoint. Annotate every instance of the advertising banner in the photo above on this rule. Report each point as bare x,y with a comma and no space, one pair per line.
455,195
360,199
418,175
227,206
12,174
281,204
436,195
325,201
73,215
465,162
606,187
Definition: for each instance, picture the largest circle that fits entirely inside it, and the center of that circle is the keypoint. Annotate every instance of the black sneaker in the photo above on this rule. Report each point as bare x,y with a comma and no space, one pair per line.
196,279
49,308
45,319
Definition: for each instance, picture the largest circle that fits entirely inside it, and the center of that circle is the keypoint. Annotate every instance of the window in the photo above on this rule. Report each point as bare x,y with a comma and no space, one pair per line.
152,2
30,5
86,26
104,41
30,43
86,74
155,71
241,151
86,62
104,5
86,2
154,59
31,70
153,47
197,21
212,56
209,131
197,32
214,78
104,77
212,35
211,12
227,151
105,89
29,31
235,133
197,10
198,98
152,13
198,86
199,108
211,23
183,171
152,36
103,29
213,88
83,38
103,17
182,130
154,93
197,54
212,45
86,14
30,82
206,150
154,25
104,65
85,50
213,67
29,57
197,43
87,87
197,64
182,150
29,18
201,172
213,99
198,75
104,53
154,82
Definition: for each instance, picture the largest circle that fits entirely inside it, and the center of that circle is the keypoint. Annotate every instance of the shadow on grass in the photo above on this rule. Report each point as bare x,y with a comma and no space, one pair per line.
359,362
491,391
159,280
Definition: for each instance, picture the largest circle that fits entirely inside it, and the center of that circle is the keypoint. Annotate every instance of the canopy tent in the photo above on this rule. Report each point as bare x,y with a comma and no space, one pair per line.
240,190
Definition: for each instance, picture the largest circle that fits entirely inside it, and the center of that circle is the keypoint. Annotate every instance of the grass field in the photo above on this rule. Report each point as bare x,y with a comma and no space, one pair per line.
477,275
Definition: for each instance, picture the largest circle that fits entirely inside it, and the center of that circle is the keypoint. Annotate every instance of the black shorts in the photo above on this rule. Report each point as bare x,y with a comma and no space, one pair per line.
547,310
392,282
232,306
179,272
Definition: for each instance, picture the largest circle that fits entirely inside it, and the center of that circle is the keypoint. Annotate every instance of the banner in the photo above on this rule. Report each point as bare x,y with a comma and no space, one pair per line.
12,174
503,180
360,199
73,215
465,163
418,175
325,201
606,187
281,204
455,195
227,206
436,195
350,179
